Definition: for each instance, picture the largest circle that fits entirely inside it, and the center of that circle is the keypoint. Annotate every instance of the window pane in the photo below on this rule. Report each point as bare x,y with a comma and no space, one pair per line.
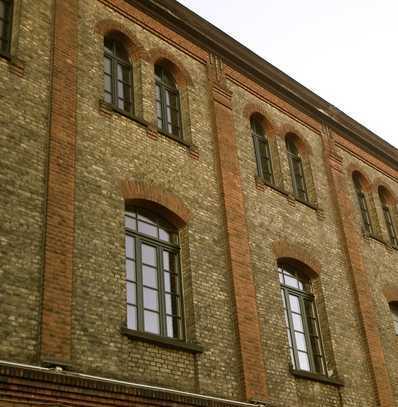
167,282
297,322
149,276
151,322
131,317
131,293
108,97
166,260
148,255
294,303
130,223
304,363
170,327
164,235
151,299
130,247
107,65
300,341
130,270
291,281
318,360
147,229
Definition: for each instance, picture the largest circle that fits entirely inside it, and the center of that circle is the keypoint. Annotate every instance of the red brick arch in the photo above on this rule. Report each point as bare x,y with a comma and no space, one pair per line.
304,147
390,196
157,199
298,256
257,109
354,167
129,39
180,73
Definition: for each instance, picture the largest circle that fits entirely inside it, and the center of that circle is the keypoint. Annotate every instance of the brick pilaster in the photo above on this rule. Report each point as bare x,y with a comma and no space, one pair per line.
253,369
353,243
59,237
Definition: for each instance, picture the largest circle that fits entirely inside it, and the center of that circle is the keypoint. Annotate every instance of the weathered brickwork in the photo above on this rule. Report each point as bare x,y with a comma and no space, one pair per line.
70,163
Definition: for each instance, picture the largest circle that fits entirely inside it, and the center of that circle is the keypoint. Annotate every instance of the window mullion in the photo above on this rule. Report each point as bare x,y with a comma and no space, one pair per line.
140,288
291,328
307,333
161,291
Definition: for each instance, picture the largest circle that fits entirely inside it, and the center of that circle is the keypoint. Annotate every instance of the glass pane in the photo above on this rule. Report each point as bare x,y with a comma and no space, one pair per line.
170,327
151,299
107,65
107,84
108,45
167,282
131,317
318,363
163,235
300,341
166,260
131,293
304,363
145,219
130,270
294,303
167,94
149,276
170,282
126,75
151,322
291,281
120,90
297,322
108,97
157,92
129,223
130,247
168,114
159,111
148,255
147,229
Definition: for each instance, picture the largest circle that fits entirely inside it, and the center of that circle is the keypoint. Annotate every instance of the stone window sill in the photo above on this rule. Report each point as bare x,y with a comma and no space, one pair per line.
163,341
302,374
379,240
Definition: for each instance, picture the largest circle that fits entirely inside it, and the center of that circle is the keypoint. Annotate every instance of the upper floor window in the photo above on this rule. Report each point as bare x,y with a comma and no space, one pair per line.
296,169
394,313
301,321
167,102
262,150
117,75
388,215
5,25
154,293
362,202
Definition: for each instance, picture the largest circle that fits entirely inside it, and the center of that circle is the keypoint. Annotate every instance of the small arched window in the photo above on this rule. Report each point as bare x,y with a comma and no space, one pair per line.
362,202
394,314
388,215
5,26
154,292
303,332
296,169
117,75
167,102
261,150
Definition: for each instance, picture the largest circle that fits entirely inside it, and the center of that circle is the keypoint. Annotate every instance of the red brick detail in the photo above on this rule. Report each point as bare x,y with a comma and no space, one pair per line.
390,196
294,254
354,167
391,294
304,147
258,110
253,370
135,48
59,238
353,241
157,199
169,61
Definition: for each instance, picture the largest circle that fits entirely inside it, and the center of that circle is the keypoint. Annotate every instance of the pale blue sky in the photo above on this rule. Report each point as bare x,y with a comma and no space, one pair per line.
345,51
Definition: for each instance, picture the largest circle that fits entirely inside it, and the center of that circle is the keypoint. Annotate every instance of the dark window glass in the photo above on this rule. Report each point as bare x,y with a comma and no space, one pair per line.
5,25
152,275
117,76
301,321
262,151
363,205
167,102
394,313
296,170
388,219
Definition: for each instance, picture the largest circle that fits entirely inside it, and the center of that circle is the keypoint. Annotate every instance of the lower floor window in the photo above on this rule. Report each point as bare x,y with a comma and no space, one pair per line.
153,279
301,321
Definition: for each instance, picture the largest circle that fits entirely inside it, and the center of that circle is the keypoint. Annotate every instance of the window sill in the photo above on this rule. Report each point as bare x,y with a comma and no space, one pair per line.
173,137
379,240
302,374
261,183
162,341
109,108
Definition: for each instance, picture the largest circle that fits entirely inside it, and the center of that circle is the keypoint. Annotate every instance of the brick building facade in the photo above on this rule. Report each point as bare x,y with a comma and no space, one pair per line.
182,223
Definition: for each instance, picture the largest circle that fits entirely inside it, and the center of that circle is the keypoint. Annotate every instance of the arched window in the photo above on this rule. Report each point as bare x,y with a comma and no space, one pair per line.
154,294
394,313
262,150
296,169
362,202
304,337
388,217
167,102
5,25
117,75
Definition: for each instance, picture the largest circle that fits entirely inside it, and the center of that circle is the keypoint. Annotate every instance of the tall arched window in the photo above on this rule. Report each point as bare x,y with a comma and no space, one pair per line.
296,169
388,215
167,102
262,150
117,75
154,293
5,25
362,202
304,337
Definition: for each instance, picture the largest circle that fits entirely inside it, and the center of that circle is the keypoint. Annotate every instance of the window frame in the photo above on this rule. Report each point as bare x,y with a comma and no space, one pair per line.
303,295
115,62
161,246
6,34
394,313
296,171
262,160
390,225
163,87
363,205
